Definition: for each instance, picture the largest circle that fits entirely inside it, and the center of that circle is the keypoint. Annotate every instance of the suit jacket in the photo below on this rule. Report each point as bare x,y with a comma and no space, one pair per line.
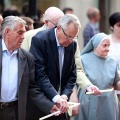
26,73
45,51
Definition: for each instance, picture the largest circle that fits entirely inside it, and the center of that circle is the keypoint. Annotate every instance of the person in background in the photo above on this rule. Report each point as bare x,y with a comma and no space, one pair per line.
29,23
1,19
50,17
114,22
11,11
68,10
92,26
104,73
38,22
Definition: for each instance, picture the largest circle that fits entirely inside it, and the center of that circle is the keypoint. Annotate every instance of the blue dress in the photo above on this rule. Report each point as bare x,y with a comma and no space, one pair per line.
103,73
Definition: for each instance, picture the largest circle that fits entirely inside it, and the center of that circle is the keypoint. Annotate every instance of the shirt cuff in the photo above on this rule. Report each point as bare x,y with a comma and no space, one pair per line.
56,98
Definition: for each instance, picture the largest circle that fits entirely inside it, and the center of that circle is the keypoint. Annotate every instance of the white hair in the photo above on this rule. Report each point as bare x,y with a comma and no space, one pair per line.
11,22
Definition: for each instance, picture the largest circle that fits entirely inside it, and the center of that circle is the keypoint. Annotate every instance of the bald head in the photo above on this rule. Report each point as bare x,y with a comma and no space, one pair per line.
52,14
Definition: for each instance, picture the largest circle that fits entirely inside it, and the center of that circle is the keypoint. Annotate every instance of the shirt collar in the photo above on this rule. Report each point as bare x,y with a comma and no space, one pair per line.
4,48
45,28
57,39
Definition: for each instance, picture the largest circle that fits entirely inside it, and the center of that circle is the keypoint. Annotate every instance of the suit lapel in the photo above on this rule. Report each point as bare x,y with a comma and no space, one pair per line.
21,65
54,47
0,63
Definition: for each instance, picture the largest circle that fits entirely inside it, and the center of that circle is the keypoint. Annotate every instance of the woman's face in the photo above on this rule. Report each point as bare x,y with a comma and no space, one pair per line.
116,29
103,48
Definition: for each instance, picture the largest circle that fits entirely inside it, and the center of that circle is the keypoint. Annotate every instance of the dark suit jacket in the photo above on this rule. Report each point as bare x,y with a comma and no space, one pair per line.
45,52
26,72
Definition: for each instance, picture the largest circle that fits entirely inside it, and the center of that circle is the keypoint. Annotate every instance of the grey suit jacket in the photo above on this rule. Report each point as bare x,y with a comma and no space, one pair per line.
27,84
25,74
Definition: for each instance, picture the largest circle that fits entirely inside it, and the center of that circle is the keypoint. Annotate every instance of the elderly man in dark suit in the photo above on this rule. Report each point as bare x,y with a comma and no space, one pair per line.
54,51
16,71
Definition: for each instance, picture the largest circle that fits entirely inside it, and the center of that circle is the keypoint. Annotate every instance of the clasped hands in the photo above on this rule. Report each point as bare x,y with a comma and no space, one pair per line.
61,105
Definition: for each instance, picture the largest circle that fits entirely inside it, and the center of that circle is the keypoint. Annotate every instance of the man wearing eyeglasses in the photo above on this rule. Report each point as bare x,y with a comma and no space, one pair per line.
54,51
50,17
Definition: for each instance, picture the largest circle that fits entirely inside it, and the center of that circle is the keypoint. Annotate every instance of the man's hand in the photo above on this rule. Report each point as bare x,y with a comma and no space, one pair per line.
93,88
62,104
64,97
55,108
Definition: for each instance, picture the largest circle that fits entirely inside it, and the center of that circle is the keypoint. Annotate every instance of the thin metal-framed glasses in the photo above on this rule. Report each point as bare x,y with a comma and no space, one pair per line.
55,24
68,36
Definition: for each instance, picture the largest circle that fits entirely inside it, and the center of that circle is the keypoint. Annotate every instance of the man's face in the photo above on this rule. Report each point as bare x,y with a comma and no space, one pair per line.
16,36
68,35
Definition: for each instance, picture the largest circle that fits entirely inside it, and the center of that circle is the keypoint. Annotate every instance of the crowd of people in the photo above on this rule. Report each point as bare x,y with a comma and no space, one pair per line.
42,69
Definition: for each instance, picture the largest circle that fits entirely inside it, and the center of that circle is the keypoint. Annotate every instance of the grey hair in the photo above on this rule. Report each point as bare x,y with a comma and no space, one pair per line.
68,19
11,22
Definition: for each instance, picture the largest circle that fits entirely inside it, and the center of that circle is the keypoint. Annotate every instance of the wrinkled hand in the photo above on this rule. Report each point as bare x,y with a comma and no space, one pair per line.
75,110
93,88
55,108
62,104
64,97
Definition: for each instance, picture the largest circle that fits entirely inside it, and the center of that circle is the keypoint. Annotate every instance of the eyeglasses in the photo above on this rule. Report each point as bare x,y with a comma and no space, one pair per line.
55,24
68,36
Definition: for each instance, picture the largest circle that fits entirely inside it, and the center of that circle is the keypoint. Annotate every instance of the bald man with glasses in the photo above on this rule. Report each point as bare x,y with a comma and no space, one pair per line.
50,17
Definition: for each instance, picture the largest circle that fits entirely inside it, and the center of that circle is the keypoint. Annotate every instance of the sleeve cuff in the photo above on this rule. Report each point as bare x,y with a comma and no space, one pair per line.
56,98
